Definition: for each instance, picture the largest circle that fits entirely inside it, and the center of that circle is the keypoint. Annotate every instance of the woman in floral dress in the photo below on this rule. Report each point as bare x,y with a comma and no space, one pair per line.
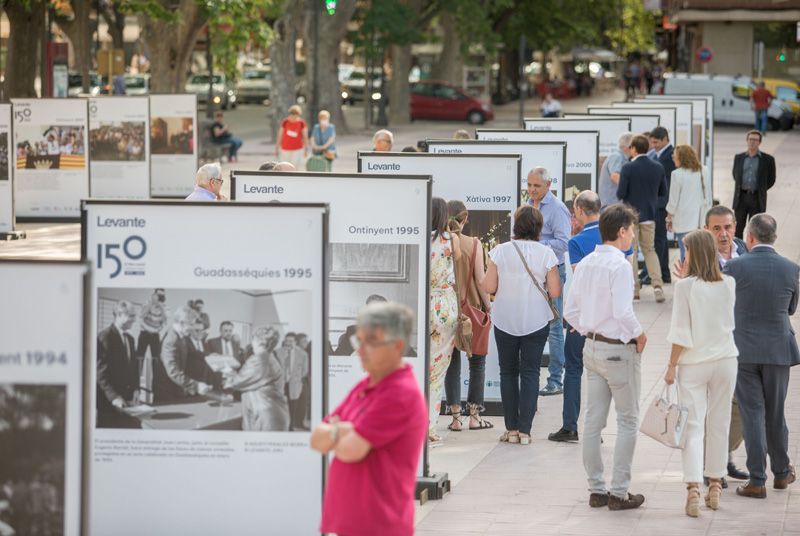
443,309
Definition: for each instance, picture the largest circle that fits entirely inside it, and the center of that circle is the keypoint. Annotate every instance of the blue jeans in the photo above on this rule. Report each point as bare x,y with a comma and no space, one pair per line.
556,339
233,140
761,120
520,359
477,379
573,370
681,247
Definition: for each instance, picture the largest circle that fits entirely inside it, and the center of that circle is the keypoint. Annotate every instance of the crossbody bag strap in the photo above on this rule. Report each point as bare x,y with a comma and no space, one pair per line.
455,274
535,282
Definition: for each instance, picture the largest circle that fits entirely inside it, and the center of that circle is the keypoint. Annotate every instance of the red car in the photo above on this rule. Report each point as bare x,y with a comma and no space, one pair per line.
431,99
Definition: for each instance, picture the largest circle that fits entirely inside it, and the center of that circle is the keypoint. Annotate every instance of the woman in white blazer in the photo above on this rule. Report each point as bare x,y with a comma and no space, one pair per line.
689,195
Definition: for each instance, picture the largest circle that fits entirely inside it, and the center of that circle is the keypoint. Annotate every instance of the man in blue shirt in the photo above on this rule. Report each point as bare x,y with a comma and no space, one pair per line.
208,183
556,233
587,213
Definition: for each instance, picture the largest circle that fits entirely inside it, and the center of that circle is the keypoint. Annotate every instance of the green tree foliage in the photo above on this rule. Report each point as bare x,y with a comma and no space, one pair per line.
383,23
636,32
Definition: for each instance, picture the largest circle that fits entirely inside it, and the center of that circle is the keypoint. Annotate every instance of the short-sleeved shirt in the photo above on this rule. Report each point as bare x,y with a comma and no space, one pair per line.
519,307
321,137
376,494
292,139
214,127
584,242
761,97
607,189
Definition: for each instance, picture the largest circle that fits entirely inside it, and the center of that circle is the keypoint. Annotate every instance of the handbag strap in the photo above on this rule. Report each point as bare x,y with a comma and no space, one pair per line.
535,282
455,273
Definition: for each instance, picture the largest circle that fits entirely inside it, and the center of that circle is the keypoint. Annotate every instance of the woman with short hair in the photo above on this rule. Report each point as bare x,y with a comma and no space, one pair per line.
292,138
703,361
523,276
689,195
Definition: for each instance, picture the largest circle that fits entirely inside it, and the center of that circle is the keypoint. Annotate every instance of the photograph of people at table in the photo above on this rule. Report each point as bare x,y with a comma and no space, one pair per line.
217,360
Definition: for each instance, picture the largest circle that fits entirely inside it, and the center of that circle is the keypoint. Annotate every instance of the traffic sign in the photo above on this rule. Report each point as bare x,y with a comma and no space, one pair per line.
705,54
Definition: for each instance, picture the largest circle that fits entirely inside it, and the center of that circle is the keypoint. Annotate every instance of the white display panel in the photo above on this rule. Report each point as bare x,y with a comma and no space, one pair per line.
639,122
6,166
609,129
702,119
583,155
173,145
41,395
51,171
666,116
552,156
234,460
684,134
491,205
119,142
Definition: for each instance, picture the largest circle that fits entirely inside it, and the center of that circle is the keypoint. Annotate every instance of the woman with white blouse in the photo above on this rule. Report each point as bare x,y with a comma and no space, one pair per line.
703,361
521,316
689,194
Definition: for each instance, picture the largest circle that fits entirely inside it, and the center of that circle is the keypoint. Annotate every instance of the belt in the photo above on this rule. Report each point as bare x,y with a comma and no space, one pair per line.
600,338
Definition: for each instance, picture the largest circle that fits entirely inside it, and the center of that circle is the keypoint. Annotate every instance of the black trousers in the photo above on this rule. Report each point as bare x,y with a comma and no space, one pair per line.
761,395
747,208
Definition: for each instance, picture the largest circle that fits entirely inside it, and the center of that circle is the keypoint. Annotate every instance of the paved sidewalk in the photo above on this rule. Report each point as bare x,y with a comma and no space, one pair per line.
501,489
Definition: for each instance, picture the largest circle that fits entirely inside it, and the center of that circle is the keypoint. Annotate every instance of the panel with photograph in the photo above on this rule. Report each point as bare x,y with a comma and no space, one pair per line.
362,273
172,135
118,141
492,227
50,147
3,156
203,359
32,458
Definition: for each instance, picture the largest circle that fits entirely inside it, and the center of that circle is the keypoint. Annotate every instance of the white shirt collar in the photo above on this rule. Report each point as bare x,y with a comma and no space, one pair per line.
637,156
667,146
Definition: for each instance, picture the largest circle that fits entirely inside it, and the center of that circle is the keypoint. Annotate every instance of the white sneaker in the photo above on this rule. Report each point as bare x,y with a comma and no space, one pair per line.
659,292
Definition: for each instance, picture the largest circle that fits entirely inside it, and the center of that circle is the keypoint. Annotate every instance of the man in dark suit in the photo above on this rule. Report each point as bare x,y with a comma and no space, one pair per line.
117,370
659,141
754,174
766,296
227,343
642,186
172,381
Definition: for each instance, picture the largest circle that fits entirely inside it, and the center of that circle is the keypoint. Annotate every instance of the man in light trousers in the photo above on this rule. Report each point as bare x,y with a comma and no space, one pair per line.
600,307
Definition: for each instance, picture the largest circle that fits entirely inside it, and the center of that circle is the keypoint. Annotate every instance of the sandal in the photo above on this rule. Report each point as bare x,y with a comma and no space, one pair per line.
524,439
475,415
714,493
434,440
455,426
693,500
509,437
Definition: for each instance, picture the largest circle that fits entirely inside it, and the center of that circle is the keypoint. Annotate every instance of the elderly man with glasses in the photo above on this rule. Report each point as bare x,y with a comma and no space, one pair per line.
208,183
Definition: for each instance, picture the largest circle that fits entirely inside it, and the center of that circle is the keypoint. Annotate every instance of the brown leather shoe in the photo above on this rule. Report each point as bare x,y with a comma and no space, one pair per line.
596,500
633,501
751,490
783,483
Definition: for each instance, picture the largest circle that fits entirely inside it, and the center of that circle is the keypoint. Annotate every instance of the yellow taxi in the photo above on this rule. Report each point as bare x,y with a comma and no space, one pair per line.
786,90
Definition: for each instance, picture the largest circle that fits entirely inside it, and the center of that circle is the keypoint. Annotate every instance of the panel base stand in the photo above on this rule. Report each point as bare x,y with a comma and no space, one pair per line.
432,488
13,235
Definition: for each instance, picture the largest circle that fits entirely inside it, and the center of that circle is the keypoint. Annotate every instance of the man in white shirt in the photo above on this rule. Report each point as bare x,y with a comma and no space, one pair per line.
600,307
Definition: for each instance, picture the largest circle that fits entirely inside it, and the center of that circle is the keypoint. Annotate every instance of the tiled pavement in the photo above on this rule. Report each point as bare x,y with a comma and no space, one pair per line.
501,489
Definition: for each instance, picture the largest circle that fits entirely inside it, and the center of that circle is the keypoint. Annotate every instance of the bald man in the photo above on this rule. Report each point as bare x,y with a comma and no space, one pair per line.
587,213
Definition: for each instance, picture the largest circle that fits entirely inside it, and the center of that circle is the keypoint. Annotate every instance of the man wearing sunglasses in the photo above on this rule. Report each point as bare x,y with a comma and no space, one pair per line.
208,183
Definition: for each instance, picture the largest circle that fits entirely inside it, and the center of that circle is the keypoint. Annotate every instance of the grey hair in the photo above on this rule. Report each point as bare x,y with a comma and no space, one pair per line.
542,171
396,320
123,307
589,202
185,315
208,172
624,140
763,228
381,133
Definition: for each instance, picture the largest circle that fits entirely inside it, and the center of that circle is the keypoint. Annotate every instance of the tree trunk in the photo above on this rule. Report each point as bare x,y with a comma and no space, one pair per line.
332,29
26,32
171,46
450,65
401,66
282,54
115,20
79,33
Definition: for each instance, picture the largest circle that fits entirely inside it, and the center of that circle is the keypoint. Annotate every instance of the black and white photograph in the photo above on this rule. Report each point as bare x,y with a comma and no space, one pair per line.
3,156
365,273
204,359
574,184
32,459
118,141
492,227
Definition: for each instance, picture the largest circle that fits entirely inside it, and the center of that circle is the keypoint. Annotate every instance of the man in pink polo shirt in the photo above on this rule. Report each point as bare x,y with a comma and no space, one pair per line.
376,444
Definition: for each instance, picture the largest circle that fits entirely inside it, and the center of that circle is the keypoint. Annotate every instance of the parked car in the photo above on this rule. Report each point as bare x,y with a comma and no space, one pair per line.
223,90
75,87
355,84
731,98
254,85
440,100
137,84
786,90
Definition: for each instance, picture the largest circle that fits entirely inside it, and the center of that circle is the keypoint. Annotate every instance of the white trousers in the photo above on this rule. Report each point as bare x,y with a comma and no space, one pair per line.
296,157
706,389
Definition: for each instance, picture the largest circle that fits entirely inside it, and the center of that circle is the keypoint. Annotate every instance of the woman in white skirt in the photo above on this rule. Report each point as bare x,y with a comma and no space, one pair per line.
703,361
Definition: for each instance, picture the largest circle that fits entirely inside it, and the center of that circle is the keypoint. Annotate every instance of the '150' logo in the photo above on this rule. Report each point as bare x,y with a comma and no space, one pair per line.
22,115
133,249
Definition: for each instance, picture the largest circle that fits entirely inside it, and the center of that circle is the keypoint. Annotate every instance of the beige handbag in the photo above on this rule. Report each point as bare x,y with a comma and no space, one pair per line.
665,421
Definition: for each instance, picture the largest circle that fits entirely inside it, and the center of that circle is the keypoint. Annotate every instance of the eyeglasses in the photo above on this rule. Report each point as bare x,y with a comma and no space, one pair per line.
219,180
356,343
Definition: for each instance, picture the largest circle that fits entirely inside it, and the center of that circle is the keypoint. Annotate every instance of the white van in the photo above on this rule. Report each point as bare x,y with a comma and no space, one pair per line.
731,98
